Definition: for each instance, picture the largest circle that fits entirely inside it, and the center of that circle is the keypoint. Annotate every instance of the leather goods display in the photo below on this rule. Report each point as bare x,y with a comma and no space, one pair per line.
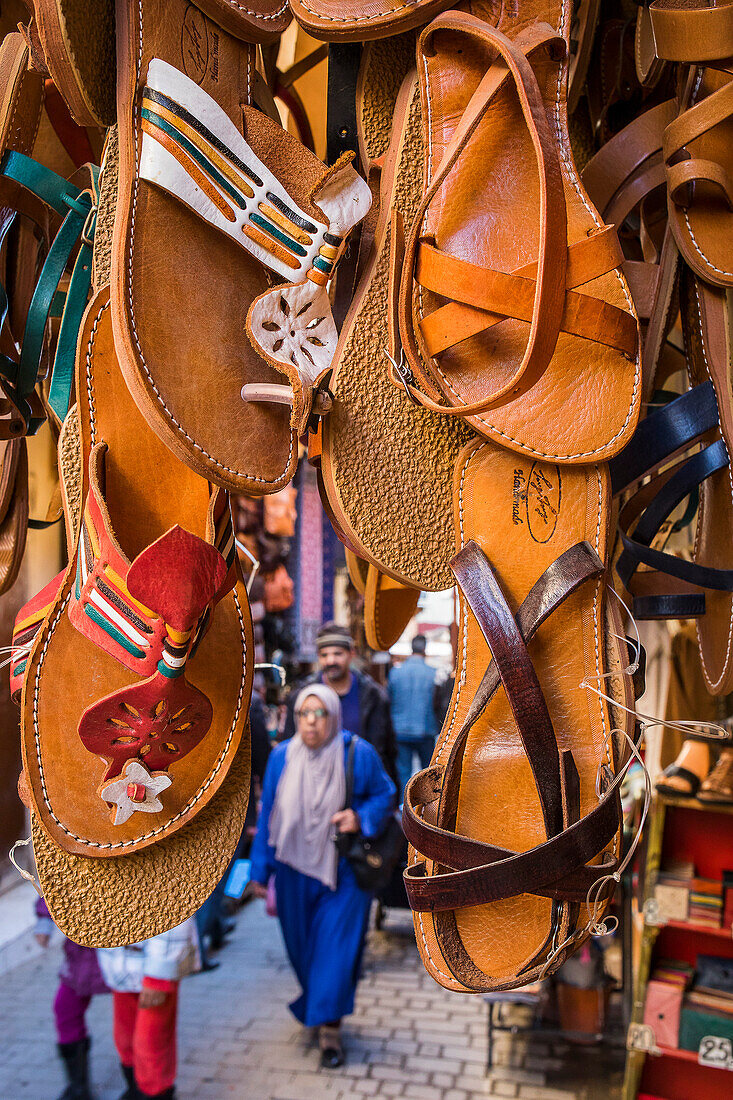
520,246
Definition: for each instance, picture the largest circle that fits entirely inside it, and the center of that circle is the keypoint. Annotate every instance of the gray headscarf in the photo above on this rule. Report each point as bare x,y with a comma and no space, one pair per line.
312,788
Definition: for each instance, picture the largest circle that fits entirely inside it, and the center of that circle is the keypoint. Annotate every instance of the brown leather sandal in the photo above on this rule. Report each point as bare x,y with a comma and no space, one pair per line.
362,20
697,147
388,604
138,772
514,313
717,789
514,830
626,181
213,194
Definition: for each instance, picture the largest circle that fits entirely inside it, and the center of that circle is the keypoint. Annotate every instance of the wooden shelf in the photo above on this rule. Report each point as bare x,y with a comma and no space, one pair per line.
695,804
686,1056
698,929
677,1074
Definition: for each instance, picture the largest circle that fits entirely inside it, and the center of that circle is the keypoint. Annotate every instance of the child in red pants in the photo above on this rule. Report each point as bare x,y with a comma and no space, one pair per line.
144,978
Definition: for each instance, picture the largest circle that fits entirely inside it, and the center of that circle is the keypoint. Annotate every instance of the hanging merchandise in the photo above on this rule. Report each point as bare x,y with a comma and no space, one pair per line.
496,322
496,333
147,636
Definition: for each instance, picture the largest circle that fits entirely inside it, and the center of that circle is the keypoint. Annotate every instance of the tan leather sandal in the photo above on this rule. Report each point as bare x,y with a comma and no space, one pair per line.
362,20
214,195
371,419
511,825
717,789
697,147
388,604
514,312
139,771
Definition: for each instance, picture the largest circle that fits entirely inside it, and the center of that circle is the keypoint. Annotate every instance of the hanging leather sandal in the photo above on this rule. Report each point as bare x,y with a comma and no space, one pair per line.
141,772
518,815
663,584
514,313
210,188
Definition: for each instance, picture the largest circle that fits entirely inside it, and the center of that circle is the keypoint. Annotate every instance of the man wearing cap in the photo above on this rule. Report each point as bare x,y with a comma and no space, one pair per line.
364,704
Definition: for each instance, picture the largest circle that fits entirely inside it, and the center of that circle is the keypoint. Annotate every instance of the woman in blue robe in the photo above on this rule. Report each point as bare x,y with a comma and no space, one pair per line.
322,911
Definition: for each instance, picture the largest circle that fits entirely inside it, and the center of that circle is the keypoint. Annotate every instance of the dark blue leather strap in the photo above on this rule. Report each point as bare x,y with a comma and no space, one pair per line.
663,433
682,606
675,485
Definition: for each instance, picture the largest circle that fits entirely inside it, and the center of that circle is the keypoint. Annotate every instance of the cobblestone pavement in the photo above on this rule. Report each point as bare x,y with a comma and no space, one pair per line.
407,1038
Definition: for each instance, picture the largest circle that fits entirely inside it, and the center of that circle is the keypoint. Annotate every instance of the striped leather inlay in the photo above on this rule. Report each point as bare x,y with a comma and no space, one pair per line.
128,623
216,169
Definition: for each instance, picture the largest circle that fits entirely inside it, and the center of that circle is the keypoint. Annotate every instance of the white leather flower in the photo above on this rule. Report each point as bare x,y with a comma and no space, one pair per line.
135,790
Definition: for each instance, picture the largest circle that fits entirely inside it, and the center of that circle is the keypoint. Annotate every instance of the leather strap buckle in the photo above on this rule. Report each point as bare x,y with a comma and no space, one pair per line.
403,375
90,225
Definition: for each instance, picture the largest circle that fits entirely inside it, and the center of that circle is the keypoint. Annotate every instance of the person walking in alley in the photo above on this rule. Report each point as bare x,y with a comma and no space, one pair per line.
322,911
364,704
80,979
144,978
411,688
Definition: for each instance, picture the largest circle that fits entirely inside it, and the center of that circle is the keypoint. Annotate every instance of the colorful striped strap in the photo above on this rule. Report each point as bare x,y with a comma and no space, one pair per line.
28,622
104,606
193,150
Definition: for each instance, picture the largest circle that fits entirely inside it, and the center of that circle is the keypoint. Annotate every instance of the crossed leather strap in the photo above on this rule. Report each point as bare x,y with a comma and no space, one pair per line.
540,293
471,872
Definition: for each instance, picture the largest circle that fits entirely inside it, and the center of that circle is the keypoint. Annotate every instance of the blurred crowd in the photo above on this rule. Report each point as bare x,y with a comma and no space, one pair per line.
329,768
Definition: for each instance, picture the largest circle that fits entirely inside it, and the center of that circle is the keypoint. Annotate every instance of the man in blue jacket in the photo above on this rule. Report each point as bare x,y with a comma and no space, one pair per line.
411,687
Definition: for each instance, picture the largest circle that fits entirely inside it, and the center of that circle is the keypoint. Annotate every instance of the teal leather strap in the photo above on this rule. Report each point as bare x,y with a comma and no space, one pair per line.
62,378
43,295
47,185
79,219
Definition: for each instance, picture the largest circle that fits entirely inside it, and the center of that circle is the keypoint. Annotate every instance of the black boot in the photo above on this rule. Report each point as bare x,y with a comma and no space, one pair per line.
166,1094
75,1057
130,1092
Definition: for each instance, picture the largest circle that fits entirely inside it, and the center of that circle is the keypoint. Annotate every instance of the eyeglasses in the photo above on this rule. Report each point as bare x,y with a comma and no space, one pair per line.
317,712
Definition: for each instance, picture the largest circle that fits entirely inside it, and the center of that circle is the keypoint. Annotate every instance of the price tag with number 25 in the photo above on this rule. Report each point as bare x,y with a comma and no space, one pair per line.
714,1051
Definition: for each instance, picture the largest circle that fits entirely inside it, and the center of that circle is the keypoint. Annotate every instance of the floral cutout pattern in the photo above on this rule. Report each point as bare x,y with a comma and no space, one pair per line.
293,326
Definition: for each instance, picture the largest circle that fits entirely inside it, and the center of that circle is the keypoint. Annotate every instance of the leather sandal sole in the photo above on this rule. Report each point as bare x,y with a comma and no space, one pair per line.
538,511
371,419
119,897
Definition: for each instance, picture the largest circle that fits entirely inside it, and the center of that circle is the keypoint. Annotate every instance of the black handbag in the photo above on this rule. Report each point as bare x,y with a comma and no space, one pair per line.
372,858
